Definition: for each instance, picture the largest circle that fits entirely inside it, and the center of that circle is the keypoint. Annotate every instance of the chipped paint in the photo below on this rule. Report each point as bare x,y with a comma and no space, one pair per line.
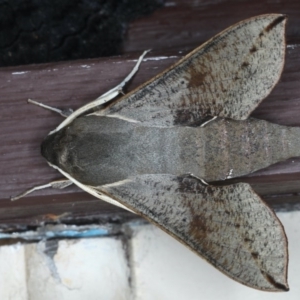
61,231
19,73
156,58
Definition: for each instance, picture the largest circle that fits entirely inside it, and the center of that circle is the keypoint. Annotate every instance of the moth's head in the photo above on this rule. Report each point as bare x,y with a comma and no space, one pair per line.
53,147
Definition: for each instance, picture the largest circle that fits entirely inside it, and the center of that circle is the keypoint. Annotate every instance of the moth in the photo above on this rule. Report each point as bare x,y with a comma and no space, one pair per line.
154,150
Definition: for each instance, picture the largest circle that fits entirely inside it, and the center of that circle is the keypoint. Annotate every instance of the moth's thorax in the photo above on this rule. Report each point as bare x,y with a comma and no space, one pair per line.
98,150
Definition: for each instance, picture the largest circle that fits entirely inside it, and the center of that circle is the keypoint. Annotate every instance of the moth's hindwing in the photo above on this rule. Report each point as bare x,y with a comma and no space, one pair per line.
229,226
228,76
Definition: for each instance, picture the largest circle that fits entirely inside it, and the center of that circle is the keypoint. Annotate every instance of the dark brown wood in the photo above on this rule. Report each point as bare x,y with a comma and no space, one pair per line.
185,24
170,32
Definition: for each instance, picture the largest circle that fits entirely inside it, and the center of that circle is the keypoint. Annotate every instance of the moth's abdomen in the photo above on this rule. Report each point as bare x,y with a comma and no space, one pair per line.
236,148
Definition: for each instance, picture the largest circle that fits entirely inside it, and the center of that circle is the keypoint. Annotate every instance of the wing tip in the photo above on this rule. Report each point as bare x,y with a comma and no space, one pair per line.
278,286
277,20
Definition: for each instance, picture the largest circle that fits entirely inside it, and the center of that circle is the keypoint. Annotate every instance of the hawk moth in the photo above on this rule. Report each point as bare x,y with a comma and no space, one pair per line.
152,150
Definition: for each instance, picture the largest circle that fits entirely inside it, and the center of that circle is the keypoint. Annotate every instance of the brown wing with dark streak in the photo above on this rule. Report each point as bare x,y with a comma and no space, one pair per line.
229,226
228,76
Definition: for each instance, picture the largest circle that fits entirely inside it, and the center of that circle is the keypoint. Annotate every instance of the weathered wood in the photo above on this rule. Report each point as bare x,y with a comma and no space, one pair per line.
71,84
185,24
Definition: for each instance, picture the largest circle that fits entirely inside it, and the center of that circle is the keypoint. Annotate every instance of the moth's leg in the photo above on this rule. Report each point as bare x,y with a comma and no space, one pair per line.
205,123
198,178
57,184
63,112
106,97
119,87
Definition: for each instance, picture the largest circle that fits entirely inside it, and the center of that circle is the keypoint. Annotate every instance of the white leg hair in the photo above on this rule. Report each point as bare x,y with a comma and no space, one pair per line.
63,112
205,123
57,184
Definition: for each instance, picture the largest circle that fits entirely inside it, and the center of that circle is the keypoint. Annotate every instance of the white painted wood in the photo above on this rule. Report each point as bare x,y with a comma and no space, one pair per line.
13,273
161,269
90,269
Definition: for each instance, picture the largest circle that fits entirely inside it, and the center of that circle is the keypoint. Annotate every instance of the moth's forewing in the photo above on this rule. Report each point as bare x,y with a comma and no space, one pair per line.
229,226
228,76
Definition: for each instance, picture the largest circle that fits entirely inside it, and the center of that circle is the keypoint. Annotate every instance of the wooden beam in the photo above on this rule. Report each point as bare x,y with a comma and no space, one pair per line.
72,84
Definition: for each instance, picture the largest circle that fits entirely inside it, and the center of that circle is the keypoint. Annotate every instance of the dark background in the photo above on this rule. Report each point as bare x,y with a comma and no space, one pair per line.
34,31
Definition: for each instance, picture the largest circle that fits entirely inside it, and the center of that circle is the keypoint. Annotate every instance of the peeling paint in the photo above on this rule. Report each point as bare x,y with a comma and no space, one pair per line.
156,58
85,66
293,46
62,231
19,73
47,251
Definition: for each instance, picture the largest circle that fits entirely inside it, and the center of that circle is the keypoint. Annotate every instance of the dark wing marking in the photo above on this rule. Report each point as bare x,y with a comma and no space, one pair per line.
229,226
228,76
